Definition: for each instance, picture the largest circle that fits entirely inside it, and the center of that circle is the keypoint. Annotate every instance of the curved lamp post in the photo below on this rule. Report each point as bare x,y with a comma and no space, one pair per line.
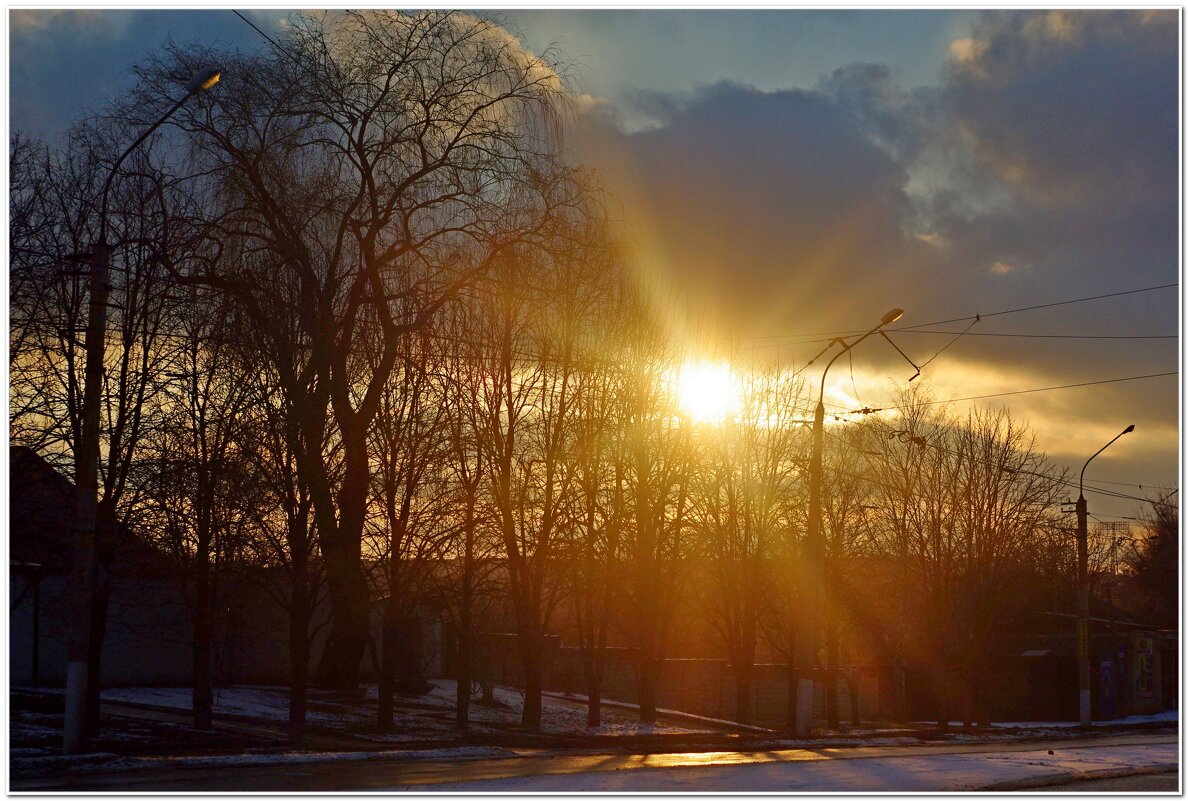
807,640
1084,694
87,461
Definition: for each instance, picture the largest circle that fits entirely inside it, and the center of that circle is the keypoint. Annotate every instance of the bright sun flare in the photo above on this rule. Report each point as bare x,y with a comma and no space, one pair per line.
707,391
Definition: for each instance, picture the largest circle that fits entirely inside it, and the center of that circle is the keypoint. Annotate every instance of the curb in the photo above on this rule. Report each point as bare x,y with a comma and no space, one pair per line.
1069,777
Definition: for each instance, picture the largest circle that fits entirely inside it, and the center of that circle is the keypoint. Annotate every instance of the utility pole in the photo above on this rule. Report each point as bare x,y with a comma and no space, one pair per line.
86,470
807,641
86,479
1084,694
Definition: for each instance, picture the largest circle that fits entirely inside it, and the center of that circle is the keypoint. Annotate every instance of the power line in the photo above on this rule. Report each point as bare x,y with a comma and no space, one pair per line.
1046,336
1050,477
1026,391
269,38
1041,306
950,343
1107,337
975,317
1140,486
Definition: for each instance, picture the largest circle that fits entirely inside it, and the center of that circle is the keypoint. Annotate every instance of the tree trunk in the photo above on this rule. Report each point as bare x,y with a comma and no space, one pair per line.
648,678
465,616
342,551
531,660
387,677
832,657
967,698
299,614
594,701
462,697
793,681
203,695
593,668
743,684
899,677
944,697
855,710
339,666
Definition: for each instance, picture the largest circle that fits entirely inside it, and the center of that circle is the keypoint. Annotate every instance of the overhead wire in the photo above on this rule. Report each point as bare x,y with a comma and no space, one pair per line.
950,343
1065,482
1040,306
809,338
1027,391
271,41
967,332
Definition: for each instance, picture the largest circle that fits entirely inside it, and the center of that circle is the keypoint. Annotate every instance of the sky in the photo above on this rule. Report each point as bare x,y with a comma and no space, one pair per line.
787,174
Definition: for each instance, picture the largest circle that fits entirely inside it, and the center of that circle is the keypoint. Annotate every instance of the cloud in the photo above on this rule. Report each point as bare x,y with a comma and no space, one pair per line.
1074,116
763,207
1042,167
92,23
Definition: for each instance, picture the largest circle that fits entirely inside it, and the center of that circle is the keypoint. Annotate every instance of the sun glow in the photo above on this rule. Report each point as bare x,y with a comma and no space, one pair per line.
708,392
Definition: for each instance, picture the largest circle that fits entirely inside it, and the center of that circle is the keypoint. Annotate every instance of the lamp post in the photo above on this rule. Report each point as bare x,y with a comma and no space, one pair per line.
1084,696
87,459
807,640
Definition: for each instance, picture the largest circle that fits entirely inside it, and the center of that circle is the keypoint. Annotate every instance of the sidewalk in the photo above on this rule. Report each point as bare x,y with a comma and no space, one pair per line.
256,733
919,768
986,772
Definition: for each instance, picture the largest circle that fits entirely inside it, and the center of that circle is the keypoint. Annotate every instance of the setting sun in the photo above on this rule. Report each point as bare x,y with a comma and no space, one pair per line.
707,391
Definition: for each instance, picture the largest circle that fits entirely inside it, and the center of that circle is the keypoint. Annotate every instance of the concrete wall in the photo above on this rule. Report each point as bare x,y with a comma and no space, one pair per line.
148,640
697,686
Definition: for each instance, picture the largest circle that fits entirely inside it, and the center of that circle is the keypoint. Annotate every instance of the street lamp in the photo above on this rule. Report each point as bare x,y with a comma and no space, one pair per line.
1083,589
814,544
87,461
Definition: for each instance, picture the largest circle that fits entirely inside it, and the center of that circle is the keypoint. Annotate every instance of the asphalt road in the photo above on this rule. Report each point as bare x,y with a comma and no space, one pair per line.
1142,783
376,774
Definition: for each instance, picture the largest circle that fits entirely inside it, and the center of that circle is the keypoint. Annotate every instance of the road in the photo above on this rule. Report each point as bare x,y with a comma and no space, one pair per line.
948,766
1142,783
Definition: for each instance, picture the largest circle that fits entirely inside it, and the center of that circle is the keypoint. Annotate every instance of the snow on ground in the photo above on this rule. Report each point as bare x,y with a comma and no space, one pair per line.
35,763
416,717
924,773
1169,716
713,722
431,715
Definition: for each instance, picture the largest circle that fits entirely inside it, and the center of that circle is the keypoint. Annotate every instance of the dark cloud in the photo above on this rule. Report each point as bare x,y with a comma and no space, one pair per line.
1042,167
65,64
770,208
1075,115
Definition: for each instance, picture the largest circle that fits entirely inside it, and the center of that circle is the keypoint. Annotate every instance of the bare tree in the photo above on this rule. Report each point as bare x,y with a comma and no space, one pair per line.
659,463
542,302
1153,561
753,545
58,220
847,497
593,558
960,501
466,581
204,482
376,144
285,540
412,520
